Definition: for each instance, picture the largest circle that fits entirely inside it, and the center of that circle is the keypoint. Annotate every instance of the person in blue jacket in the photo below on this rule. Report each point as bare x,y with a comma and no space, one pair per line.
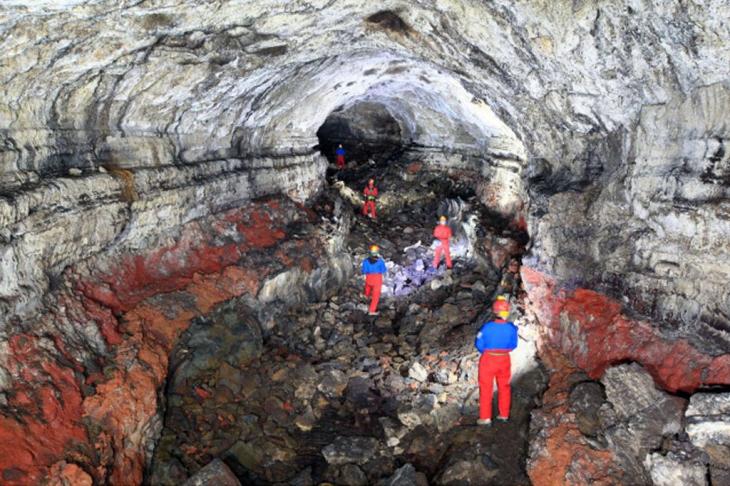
494,341
340,153
373,267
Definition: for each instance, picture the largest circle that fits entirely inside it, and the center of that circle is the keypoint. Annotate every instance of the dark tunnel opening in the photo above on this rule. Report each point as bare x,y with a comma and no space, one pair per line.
366,130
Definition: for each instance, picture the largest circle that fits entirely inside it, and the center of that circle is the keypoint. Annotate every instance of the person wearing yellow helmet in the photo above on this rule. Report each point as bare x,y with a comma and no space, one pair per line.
495,340
373,267
371,194
442,232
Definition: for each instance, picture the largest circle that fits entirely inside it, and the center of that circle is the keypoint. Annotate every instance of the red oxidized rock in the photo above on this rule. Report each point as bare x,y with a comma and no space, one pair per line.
65,474
590,329
203,248
559,453
202,269
48,422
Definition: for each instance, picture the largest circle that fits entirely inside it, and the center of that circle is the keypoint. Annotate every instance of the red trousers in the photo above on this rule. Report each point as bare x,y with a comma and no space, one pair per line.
490,367
373,283
341,161
368,207
442,248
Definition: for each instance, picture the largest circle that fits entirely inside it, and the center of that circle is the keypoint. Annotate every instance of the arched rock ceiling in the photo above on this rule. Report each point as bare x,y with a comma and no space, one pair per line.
432,106
168,81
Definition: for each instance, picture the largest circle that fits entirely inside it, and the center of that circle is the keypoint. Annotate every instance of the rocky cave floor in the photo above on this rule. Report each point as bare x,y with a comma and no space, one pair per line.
330,394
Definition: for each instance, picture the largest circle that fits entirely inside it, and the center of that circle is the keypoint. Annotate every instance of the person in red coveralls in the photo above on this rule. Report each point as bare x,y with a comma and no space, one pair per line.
373,267
371,194
340,152
494,341
442,232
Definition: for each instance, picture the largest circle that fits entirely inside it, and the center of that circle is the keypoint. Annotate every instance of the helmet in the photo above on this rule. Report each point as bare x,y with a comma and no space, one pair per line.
501,306
442,219
374,250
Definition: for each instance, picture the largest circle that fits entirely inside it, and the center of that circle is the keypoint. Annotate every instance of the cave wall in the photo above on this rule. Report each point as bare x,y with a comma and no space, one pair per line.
599,125
81,383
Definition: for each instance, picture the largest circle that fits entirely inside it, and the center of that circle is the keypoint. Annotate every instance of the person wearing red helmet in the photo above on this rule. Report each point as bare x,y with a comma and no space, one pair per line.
371,194
373,267
442,232
495,340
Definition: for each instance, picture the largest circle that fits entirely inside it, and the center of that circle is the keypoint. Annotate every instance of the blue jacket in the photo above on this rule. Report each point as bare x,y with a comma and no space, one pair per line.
340,151
496,335
377,267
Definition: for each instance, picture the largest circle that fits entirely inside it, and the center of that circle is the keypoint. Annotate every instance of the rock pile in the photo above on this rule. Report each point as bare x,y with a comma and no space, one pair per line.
623,429
336,395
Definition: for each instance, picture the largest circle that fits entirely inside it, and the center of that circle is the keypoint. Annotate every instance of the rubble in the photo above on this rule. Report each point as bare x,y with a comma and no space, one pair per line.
348,395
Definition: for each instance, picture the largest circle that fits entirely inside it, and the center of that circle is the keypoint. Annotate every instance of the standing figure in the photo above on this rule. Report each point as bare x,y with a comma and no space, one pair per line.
442,232
371,194
373,267
510,283
494,341
340,152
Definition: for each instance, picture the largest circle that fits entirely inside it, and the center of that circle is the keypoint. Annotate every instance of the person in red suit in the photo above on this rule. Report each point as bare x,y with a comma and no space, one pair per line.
442,232
373,267
340,152
495,340
371,194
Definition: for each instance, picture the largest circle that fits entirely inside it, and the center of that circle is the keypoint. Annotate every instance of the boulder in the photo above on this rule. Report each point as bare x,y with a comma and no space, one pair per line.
351,475
418,372
708,426
585,401
636,417
675,469
215,473
445,376
466,471
350,450
406,475
333,383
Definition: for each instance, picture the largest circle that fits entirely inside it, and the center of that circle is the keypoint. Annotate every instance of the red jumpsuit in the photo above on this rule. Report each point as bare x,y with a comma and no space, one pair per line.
494,365
369,207
442,232
373,284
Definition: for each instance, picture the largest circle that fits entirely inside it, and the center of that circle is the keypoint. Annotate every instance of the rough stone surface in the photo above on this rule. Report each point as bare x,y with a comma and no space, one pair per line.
418,372
708,426
406,476
674,469
137,138
636,417
559,452
592,330
214,473
109,329
353,450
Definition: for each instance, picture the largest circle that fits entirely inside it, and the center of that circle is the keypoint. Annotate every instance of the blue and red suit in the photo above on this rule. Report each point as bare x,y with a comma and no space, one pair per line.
495,340
373,268
340,152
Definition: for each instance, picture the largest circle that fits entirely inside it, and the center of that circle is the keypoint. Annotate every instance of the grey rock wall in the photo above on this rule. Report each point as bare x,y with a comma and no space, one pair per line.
602,122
